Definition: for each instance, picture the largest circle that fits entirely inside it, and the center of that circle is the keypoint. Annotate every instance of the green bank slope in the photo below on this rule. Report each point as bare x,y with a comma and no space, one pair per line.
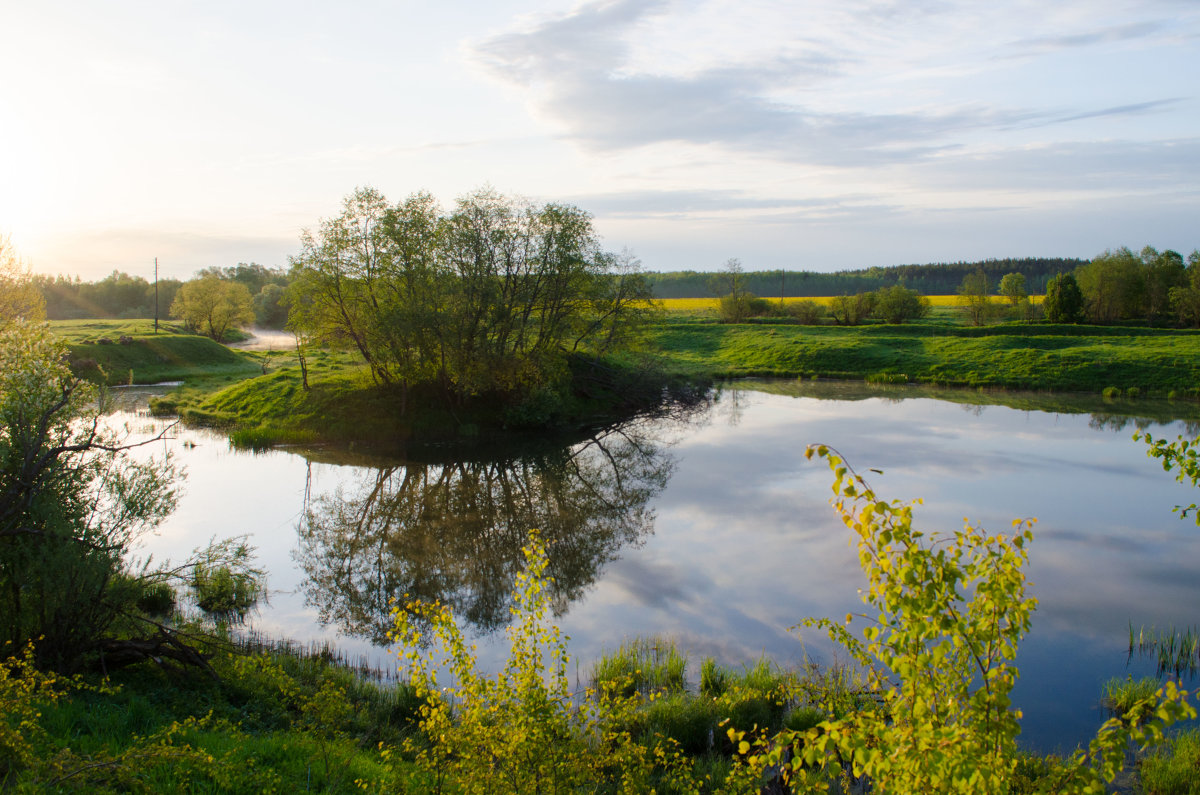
1010,356
129,352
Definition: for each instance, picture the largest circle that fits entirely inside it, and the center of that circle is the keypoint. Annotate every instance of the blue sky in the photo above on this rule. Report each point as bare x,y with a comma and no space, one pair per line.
806,134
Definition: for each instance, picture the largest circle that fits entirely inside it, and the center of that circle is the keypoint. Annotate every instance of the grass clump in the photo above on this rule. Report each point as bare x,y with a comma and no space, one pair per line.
643,665
1120,695
1173,769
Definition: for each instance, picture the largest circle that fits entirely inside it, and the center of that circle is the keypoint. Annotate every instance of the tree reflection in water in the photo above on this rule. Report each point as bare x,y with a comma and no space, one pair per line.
454,531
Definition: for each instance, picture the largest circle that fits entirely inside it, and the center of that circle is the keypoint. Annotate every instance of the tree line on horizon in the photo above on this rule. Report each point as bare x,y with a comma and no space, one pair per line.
943,278
1117,285
126,296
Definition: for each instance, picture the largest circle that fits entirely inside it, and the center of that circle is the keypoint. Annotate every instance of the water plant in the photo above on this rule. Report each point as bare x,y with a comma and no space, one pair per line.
1120,695
642,665
1176,651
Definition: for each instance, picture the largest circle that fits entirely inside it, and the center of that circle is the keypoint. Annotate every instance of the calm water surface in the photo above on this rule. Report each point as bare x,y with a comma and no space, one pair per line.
712,529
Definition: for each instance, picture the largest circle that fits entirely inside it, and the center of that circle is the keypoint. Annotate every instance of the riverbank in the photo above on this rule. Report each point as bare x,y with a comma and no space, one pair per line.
261,396
1036,357
340,403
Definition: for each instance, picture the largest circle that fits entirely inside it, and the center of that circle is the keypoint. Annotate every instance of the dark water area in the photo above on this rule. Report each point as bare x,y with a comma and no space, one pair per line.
710,528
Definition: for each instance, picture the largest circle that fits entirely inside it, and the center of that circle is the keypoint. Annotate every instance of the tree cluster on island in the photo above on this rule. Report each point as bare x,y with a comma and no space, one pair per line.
492,298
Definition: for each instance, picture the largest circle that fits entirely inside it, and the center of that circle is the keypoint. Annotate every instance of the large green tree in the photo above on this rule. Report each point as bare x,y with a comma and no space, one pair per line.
1113,286
1185,299
1164,271
489,298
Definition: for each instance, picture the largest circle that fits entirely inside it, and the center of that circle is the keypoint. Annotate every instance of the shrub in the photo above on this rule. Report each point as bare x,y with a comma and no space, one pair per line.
897,304
520,731
806,313
947,613
736,307
224,583
157,599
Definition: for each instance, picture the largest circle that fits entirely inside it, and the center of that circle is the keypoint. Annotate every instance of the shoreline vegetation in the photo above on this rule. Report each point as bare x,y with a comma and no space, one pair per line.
260,397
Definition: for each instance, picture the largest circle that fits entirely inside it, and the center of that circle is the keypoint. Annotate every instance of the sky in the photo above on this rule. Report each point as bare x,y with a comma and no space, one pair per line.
800,134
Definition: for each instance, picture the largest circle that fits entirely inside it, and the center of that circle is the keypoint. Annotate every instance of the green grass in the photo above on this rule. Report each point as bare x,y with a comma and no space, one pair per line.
257,727
1009,356
1173,769
225,388
148,358
1119,695
343,404
642,665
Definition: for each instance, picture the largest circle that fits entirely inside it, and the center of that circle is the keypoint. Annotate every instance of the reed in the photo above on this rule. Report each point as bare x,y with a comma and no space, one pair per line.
1175,651
643,665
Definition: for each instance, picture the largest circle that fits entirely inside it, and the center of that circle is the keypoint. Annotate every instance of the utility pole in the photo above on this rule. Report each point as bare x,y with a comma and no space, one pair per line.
156,295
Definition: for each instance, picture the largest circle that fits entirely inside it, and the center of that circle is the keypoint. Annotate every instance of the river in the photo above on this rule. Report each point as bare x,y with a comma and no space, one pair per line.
711,528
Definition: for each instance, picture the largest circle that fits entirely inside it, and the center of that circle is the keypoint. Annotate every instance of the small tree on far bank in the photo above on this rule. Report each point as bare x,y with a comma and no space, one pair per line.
1012,287
1064,300
976,301
212,306
730,285
851,310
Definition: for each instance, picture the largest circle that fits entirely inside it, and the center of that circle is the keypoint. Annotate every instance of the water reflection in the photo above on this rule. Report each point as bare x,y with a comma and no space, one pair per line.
454,531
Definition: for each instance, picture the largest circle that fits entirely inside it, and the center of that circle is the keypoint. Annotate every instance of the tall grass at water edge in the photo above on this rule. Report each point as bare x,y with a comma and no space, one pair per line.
1175,651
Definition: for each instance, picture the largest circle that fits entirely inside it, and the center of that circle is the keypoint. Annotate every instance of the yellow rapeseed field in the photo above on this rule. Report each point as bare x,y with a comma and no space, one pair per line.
701,304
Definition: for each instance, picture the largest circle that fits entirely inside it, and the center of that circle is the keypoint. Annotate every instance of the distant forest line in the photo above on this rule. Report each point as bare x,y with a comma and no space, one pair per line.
120,295
932,279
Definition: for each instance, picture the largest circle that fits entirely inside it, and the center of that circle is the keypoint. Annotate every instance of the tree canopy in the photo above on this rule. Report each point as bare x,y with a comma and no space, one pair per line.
212,305
488,298
1064,301
19,297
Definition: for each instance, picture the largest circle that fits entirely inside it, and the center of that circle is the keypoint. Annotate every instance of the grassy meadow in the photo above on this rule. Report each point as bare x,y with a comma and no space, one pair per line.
1026,356
172,354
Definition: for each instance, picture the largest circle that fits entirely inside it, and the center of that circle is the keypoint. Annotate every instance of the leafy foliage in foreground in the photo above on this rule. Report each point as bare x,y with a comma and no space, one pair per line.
947,616
1181,455
521,731
938,654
